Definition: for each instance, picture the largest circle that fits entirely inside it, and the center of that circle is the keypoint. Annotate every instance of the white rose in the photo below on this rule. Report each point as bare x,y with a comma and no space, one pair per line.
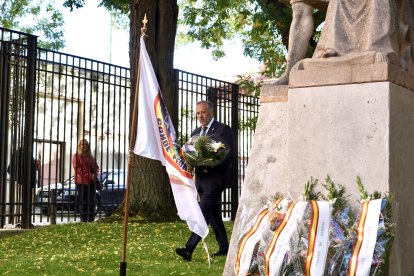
216,146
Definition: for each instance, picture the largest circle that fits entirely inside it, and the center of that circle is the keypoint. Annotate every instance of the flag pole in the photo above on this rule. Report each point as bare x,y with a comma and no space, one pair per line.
133,128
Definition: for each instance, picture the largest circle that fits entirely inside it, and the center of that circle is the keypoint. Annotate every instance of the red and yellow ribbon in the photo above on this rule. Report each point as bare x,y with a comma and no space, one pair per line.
312,235
275,237
353,262
246,237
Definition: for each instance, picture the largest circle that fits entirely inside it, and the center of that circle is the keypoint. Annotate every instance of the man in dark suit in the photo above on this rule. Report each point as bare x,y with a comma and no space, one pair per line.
211,181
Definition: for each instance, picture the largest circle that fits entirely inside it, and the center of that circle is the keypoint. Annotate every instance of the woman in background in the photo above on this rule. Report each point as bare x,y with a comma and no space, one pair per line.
86,171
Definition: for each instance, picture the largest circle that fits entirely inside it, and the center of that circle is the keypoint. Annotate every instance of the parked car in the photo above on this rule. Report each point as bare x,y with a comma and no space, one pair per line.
42,198
108,198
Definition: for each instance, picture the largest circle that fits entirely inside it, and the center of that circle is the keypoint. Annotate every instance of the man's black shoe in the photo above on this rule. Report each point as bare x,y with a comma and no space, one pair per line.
219,253
183,253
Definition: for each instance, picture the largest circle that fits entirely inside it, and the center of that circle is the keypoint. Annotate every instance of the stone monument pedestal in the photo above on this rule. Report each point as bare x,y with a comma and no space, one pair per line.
341,130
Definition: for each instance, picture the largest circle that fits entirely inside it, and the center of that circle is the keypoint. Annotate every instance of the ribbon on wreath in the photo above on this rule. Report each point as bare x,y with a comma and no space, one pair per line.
279,244
318,238
366,238
251,238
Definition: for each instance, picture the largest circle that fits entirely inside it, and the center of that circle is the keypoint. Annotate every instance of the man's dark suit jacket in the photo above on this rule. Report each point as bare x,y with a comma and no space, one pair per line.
221,175
210,183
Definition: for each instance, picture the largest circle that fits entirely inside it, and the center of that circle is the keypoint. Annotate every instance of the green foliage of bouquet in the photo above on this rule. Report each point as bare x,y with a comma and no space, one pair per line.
204,151
341,234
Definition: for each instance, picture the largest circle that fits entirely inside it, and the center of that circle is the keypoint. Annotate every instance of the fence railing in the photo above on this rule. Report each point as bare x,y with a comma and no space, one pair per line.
77,98
17,86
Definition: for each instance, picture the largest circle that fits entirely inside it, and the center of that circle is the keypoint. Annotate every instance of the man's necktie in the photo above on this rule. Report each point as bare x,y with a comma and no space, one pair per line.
203,131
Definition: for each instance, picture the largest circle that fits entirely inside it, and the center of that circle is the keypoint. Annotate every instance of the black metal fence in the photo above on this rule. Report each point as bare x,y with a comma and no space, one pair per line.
17,83
79,98
67,98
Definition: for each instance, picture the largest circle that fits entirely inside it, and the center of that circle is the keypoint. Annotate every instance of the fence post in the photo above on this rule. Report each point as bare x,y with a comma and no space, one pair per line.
4,121
175,110
235,128
52,206
28,135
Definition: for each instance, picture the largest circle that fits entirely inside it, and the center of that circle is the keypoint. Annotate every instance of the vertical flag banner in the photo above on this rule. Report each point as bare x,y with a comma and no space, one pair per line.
156,139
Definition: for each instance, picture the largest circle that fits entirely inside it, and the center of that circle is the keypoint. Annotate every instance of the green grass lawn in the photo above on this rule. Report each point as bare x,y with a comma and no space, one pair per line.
96,248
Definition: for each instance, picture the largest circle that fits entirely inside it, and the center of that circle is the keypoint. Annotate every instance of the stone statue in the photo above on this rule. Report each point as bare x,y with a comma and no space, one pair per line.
300,32
365,32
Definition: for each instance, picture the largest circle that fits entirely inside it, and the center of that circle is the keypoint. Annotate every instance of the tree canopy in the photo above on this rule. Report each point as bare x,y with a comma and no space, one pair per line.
112,5
35,17
262,25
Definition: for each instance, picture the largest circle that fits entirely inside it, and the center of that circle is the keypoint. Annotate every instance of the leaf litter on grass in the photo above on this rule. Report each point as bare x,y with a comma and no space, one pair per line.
95,249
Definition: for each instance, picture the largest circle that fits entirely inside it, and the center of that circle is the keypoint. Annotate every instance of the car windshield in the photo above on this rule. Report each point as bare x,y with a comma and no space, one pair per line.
116,178
68,181
102,176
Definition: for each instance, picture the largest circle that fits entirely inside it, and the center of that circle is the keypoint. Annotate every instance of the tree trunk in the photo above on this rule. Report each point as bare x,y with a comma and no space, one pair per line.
150,191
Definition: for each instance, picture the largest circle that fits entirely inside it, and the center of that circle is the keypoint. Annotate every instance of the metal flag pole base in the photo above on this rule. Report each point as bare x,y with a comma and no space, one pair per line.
122,269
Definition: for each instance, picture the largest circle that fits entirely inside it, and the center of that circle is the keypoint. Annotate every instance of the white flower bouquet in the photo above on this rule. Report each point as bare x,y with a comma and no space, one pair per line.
204,151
